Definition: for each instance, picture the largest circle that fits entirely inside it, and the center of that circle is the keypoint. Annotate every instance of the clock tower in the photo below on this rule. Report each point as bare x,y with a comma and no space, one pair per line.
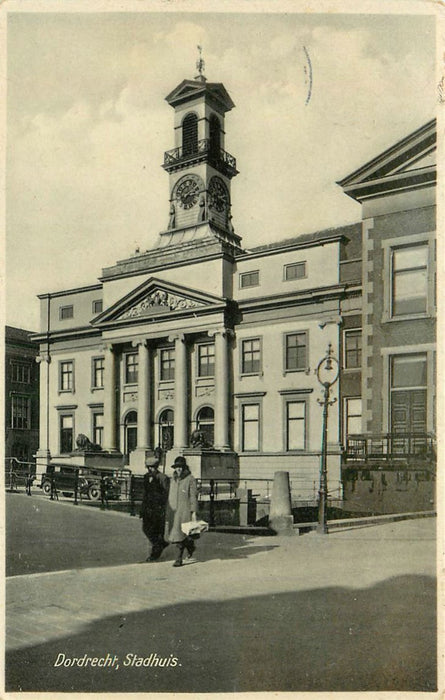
199,167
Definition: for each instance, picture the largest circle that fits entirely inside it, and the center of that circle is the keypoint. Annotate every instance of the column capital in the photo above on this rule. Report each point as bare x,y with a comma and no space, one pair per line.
139,341
176,336
224,332
43,357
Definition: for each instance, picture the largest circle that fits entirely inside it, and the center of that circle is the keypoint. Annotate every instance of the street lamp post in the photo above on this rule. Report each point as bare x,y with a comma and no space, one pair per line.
327,374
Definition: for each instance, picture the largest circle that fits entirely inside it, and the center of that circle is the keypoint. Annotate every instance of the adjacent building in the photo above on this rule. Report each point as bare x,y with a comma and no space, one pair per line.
21,395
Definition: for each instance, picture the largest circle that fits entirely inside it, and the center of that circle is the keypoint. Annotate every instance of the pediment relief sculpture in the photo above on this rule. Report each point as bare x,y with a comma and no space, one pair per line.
157,301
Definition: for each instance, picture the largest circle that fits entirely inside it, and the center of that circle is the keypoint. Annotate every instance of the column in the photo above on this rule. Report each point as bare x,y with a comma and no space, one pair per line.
222,382
181,391
110,388
144,414
43,453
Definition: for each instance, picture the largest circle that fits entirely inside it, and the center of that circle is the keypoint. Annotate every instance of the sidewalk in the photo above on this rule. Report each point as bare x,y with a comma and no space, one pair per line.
239,623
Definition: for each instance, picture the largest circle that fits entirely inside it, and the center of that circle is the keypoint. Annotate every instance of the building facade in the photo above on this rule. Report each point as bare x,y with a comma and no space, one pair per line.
398,322
200,347
21,395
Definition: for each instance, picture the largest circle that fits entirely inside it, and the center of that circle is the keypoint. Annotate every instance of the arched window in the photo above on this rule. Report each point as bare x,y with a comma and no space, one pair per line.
131,432
166,429
215,135
205,422
190,135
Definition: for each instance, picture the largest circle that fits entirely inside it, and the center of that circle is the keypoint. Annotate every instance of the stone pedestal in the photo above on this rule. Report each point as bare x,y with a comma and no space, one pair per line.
280,516
212,464
91,460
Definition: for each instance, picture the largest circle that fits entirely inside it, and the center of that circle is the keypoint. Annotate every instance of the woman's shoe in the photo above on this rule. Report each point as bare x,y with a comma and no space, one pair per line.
178,562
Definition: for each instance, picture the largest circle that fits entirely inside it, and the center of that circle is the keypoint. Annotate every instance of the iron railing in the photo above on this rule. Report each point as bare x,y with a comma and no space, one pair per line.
216,156
18,473
388,447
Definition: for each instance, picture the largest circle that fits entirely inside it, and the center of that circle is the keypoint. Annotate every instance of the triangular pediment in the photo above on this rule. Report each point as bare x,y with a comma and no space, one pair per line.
191,89
410,162
155,298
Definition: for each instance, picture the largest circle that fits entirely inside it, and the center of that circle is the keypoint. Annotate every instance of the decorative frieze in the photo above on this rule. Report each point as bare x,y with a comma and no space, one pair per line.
160,300
130,396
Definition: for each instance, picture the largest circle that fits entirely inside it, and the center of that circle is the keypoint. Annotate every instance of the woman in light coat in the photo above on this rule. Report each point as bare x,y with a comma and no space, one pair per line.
181,507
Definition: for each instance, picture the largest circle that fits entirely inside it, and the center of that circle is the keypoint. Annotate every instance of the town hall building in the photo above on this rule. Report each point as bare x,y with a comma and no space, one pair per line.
200,347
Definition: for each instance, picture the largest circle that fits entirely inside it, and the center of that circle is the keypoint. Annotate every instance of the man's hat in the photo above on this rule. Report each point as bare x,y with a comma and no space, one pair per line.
151,462
179,463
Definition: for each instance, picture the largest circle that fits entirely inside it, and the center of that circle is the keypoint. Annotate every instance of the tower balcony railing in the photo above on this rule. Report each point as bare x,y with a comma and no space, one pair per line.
384,448
204,149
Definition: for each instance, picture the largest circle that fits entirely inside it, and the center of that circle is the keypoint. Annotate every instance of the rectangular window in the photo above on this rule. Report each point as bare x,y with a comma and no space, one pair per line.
409,280
295,271
66,312
167,364
21,412
295,351
295,425
98,372
98,428
66,376
250,431
353,349
97,306
249,279
20,373
251,356
66,433
408,371
206,360
352,420
131,368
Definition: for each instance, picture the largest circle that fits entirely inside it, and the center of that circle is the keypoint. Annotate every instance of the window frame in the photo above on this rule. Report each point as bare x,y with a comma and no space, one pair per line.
64,309
93,306
243,275
94,385
70,390
22,368
127,355
243,405
289,266
295,399
28,418
389,246
94,413
348,331
286,335
62,415
347,415
255,373
199,346
172,368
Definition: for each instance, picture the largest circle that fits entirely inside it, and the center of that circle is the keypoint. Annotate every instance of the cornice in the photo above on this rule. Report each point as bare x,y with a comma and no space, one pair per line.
65,292
294,299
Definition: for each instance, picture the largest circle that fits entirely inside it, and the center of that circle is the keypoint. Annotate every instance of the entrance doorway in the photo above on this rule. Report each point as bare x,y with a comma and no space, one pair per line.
166,430
131,434
408,402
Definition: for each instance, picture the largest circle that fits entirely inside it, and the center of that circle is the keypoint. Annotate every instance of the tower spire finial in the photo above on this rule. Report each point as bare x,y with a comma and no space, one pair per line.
200,65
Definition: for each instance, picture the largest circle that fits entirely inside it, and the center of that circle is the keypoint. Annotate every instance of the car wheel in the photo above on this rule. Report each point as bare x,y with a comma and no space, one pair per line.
94,492
46,488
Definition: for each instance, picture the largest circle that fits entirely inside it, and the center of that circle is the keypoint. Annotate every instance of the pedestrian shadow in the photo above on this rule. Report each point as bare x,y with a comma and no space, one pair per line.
380,638
211,546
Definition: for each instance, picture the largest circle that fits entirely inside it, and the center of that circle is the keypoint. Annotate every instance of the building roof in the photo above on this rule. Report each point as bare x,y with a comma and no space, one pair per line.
307,239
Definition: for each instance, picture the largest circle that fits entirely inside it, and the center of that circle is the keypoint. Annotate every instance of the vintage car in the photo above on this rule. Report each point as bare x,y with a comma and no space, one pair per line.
88,482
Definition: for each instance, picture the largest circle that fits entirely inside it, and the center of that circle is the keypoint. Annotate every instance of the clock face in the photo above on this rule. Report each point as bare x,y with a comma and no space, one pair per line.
187,192
219,194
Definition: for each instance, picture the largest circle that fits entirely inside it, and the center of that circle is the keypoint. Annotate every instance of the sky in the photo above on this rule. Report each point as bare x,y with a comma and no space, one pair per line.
88,124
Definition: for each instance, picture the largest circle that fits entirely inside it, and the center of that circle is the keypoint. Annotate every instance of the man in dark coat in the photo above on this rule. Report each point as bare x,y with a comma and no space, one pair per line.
153,506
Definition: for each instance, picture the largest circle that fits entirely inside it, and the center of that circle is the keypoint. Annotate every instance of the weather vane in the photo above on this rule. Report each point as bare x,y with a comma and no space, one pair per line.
200,64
